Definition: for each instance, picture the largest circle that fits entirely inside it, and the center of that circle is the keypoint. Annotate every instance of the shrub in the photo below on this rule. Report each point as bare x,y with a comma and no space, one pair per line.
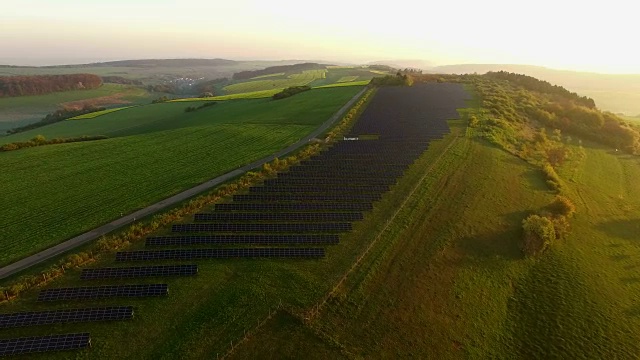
553,179
561,226
290,91
539,233
563,206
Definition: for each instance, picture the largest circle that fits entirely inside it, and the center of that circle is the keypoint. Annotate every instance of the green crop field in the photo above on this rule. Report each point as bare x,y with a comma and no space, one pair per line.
278,82
310,107
22,110
347,79
98,113
155,151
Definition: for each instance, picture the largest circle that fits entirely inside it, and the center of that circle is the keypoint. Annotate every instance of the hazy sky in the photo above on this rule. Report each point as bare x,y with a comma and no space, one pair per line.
579,35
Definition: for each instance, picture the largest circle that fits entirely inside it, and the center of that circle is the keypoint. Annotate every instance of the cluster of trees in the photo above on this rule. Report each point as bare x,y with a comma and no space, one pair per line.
121,80
533,84
196,108
40,140
58,115
393,80
541,230
45,84
244,75
161,99
603,127
290,91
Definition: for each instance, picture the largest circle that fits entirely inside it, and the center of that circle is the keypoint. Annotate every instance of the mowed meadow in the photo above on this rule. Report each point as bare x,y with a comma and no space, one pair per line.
51,193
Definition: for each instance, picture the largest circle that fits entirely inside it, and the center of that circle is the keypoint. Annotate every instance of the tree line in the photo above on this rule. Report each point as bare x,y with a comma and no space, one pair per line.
45,84
290,91
40,140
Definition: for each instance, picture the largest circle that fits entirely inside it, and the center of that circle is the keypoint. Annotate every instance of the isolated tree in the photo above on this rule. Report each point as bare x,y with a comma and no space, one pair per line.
539,233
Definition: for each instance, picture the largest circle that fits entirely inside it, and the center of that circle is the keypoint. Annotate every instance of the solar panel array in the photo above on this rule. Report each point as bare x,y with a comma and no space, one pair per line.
262,239
35,344
103,291
224,253
138,272
65,316
309,205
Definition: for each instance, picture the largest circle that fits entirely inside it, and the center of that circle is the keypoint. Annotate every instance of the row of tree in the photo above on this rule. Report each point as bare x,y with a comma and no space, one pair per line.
45,84
290,91
40,140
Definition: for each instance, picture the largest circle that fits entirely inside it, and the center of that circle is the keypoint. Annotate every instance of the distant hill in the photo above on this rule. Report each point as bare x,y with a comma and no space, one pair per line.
612,92
403,64
156,63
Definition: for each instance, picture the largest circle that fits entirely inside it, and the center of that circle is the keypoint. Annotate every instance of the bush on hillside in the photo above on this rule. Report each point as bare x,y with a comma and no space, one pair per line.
563,206
290,91
539,233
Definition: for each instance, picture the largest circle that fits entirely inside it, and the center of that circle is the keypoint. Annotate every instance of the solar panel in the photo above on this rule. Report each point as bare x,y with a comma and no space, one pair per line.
327,206
27,345
224,253
313,181
308,197
261,239
321,188
138,272
65,316
281,216
260,227
103,291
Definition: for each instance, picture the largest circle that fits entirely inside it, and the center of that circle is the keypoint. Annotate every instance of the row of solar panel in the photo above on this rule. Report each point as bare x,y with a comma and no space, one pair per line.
262,227
342,175
35,344
190,254
336,206
352,166
325,189
301,216
262,239
103,291
139,272
308,197
330,181
65,316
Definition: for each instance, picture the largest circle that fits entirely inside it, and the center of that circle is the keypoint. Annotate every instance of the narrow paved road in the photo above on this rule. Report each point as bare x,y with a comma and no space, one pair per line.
118,223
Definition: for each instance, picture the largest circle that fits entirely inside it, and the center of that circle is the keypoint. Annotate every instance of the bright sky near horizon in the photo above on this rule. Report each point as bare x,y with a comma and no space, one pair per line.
565,34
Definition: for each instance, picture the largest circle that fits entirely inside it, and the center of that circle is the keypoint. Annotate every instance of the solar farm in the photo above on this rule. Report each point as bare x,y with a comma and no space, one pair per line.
302,216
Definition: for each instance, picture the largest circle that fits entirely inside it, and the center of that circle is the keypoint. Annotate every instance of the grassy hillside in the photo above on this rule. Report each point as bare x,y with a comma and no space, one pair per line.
152,155
448,280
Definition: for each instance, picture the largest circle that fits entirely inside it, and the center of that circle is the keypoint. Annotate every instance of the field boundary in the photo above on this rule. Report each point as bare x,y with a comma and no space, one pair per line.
83,238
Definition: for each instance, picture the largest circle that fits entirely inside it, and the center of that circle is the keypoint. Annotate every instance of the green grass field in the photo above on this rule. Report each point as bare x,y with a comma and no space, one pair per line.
347,79
22,110
276,82
155,151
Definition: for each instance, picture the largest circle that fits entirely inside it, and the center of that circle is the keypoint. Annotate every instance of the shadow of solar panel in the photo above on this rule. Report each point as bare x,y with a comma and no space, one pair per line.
283,216
328,206
35,344
264,228
65,316
262,239
138,272
191,254
104,291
